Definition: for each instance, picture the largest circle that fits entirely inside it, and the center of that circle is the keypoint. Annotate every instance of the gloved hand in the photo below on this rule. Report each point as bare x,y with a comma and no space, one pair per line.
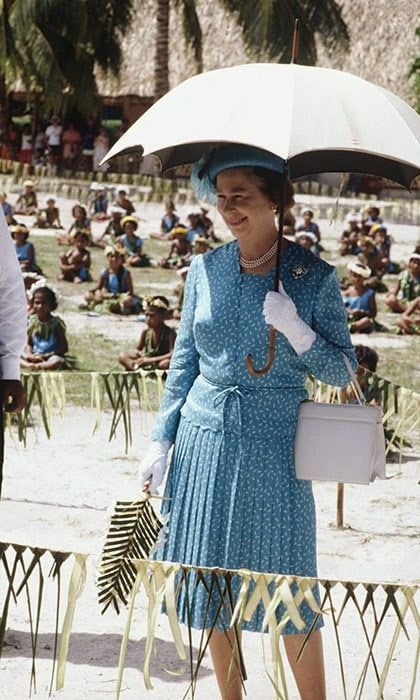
153,466
280,311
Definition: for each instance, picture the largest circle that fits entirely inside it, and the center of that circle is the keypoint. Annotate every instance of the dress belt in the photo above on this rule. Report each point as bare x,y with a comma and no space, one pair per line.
237,392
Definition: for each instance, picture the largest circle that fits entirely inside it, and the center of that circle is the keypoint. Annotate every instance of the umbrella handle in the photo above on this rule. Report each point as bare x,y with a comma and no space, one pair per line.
271,353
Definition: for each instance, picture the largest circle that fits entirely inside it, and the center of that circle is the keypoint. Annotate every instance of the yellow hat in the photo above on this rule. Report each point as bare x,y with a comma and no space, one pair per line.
29,183
133,219
177,230
110,250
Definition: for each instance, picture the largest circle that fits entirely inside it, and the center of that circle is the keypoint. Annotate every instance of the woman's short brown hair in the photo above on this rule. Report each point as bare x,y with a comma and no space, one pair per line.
271,185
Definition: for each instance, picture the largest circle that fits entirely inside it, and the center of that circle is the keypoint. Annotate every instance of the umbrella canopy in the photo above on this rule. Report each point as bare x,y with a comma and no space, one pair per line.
317,119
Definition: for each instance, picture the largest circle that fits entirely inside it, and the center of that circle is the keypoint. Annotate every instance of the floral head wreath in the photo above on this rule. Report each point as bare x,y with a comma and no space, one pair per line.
156,301
41,284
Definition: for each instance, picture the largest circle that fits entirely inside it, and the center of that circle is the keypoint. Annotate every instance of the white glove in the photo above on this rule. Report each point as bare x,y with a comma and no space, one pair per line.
153,466
280,311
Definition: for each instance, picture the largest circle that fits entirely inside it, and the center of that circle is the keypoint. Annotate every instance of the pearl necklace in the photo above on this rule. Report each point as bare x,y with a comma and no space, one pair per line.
251,264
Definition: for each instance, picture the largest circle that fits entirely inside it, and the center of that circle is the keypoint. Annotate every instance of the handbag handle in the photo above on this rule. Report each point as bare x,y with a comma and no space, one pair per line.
357,388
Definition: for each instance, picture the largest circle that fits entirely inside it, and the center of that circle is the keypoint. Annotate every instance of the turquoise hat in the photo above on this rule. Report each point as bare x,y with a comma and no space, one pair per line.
231,155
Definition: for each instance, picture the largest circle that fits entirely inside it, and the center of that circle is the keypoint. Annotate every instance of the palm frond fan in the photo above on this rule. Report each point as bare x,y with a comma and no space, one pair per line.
133,531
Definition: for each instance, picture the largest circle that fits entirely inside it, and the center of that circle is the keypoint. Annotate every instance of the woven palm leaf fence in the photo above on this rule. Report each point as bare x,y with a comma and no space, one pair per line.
136,396
384,618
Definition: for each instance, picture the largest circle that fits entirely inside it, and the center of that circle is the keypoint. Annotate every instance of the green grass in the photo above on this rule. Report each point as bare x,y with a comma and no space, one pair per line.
95,351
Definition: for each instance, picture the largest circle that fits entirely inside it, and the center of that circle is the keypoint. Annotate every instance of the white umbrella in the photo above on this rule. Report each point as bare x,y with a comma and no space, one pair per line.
317,119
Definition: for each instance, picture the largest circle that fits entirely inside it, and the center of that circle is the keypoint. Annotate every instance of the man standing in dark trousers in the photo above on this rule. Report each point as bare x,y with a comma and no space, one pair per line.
12,330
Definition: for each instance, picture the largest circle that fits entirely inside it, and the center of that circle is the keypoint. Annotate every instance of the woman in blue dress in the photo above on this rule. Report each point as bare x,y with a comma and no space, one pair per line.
234,499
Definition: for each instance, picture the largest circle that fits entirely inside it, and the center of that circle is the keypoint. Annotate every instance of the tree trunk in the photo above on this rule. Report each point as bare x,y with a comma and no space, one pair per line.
4,101
162,48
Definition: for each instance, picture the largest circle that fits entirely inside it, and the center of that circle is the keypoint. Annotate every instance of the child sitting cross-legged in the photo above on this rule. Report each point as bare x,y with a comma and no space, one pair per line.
25,250
156,343
407,289
359,300
46,343
114,291
75,264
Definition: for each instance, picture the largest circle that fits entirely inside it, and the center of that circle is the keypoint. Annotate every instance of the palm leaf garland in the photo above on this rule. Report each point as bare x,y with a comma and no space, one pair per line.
142,391
20,555
134,529
375,605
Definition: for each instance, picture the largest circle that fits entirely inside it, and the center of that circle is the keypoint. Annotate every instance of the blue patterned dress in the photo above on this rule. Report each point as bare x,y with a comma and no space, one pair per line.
235,502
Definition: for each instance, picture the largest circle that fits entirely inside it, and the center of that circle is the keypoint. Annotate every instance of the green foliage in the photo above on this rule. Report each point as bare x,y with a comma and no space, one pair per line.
414,76
268,27
53,46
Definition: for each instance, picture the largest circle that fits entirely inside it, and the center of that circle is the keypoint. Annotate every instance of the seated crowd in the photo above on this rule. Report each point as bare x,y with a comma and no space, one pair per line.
365,240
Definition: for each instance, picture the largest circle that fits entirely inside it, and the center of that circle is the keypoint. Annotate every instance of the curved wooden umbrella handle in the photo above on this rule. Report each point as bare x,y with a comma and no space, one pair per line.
271,353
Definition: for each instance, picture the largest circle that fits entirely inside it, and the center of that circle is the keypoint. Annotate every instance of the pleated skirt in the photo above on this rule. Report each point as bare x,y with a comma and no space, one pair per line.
234,503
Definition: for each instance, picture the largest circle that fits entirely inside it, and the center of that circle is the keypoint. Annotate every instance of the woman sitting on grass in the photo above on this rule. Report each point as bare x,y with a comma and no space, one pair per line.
156,342
47,343
359,300
75,264
114,291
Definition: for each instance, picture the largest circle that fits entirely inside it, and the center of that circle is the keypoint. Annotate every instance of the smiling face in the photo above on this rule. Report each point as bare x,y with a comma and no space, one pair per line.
246,210
41,306
130,228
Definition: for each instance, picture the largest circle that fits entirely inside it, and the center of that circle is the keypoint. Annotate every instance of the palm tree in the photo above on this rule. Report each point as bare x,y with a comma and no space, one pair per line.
267,27
54,46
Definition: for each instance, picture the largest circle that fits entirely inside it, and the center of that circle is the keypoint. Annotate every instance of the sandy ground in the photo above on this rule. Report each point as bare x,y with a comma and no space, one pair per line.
56,494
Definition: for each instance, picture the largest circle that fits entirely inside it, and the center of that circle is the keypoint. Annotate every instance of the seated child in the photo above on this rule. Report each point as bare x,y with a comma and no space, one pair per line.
25,250
131,245
370,257
99,205
180,250
309,226
156,342
179,292
75,264
409,321
49,217
408,286
7,209
207,224
195,226
124,202
46,344
359,300
349,244
80,223
169,219
114,291
308,240
26,203
113,229
367,359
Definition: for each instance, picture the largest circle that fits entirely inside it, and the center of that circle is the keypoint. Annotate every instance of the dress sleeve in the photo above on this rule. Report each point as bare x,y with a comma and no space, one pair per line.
184,367
12,306
324,359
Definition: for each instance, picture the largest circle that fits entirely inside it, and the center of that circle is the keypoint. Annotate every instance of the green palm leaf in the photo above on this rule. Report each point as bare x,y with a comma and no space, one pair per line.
133,531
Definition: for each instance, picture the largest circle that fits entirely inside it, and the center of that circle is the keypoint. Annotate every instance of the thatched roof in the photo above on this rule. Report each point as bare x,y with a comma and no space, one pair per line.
382,39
